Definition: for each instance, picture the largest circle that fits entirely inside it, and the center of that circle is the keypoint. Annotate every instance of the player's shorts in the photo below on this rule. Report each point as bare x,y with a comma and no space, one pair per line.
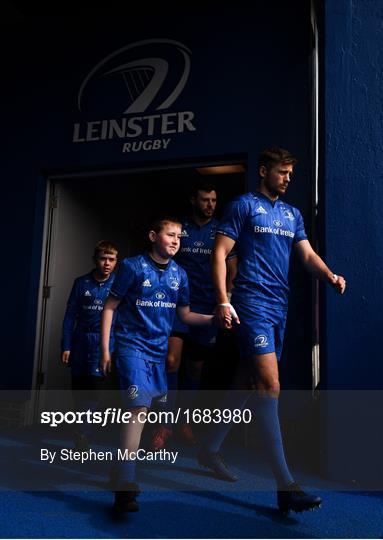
85,354
140,380
261,330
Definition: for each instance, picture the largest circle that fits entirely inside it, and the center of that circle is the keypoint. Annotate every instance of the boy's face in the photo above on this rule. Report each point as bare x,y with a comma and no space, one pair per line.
166,243
105,263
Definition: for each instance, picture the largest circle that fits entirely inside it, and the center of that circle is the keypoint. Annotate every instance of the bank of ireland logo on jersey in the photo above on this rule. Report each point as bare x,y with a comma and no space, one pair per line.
277,222
160,295
198,243
132,391
261,341
130,90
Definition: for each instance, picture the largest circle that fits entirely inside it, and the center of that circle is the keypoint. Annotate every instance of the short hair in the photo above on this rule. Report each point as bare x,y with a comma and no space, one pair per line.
272,156
105,246
202,185
158,224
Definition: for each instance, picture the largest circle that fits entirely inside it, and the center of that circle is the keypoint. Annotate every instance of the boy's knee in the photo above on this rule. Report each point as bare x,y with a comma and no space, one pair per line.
172,363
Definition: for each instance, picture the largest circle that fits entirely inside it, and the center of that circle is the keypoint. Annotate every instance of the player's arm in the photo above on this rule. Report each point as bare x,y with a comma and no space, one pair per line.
105,326
222,247
317,267
231,272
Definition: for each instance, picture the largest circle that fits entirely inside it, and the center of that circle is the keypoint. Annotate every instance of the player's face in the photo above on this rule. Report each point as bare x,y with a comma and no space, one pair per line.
204,204
105,264
166,243
277,179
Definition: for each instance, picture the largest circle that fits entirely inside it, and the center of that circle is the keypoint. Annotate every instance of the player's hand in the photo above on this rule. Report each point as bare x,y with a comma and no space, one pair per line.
105,364
65,357
224,315
338,283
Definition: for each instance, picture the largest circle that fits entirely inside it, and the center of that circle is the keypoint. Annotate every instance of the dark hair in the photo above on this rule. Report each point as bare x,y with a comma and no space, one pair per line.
158,224
105,246
272,156
202,185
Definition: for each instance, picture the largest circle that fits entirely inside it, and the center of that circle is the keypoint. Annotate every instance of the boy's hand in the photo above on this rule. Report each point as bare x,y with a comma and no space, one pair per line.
224,314
105,364
65,357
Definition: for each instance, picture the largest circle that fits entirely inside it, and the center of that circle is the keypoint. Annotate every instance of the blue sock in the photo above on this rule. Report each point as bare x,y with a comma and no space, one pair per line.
267,420
234,399
87,428
126,471
172,379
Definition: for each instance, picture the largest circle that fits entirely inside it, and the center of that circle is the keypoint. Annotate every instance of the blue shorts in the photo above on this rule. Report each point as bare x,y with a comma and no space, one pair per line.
140,380
261,330
85,354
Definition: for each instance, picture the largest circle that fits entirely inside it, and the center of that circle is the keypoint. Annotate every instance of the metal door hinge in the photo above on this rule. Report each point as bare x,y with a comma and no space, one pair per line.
46,291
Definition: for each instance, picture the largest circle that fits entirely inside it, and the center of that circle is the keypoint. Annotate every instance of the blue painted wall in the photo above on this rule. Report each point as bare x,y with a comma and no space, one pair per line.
249,87
352,191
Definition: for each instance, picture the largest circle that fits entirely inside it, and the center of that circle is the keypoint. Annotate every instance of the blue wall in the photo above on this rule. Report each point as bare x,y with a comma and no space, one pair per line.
352,172
249,87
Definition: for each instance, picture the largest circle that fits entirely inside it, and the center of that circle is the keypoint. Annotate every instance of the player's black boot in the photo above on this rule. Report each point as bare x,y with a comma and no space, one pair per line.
215,462
295,499
125,498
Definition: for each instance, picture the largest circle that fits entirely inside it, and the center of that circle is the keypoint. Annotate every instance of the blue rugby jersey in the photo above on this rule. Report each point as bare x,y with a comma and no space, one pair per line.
85,304
149,297
264,232
194,256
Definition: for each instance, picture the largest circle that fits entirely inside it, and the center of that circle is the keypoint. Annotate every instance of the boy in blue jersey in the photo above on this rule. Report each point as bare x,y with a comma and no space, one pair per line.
192,344
264,230
147,292
80,343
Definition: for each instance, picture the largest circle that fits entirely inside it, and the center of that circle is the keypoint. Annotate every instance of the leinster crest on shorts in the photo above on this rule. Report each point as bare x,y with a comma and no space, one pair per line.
132,391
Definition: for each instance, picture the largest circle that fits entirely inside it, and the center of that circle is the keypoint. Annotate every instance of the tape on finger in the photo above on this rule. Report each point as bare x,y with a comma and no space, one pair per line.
233,313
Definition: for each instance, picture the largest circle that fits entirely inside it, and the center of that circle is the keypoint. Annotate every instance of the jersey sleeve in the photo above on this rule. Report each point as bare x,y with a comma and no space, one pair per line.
183,293
123,280
300,233
70,317
233,219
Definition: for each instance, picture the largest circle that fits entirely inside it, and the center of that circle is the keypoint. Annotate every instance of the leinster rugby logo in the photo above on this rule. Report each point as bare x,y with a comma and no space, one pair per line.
174,285
160,295
132,391
261,341
289,215
145,72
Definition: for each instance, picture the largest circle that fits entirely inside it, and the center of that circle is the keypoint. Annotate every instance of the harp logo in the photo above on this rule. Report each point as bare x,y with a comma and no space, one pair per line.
132,90
140,71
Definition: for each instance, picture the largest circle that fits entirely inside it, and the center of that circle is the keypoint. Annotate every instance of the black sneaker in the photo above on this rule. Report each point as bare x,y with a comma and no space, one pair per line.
125,499
81,443
215,462
293,498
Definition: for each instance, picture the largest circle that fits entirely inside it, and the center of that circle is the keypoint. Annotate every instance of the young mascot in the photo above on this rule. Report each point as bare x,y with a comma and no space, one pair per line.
147,292
80,344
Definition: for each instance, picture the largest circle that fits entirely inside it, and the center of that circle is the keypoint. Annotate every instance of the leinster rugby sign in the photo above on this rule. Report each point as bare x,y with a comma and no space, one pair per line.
137,84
